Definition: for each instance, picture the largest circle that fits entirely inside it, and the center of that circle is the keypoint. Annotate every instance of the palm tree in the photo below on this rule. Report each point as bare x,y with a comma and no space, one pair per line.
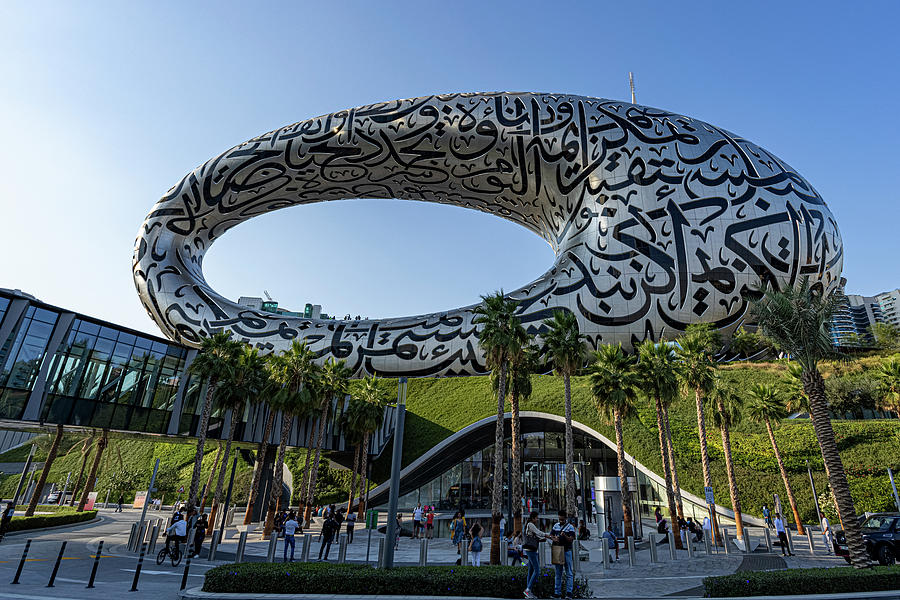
352,426
85,450
657,378
374,416
670,447
726,416
566,351
497,339
614,386
889,374
764,407
215,361
793,386
797,320
270,388
45,472
296,372
95,465
246,380
697,374
335,380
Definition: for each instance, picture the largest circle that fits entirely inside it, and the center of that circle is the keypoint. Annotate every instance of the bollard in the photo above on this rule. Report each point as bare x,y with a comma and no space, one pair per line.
690,546
242,543
629,541
131,535
187,568
504,551
576,557
725,541
464,556
304,552
706,543
342,549
422,558
56,566
790,538
96,563
381,553
747,540
654,557
671,536
368,544
137,570
154,534
22,562
545,555
604,550
273,542
768,535
213,546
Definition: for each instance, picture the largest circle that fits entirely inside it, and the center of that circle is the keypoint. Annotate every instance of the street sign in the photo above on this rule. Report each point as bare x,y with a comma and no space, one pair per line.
710,498
181,490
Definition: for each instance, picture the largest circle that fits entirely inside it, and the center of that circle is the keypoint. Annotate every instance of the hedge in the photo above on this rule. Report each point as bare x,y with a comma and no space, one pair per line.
839,580
41,521
327,578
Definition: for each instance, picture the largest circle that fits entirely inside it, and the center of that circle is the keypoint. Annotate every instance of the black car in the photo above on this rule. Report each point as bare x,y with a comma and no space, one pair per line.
881,534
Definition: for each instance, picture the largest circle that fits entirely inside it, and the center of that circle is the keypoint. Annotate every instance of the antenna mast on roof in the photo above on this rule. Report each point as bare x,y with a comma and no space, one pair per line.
268,297
631,83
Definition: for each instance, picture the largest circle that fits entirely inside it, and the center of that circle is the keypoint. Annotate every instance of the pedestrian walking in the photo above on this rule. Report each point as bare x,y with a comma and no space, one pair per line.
782,536
827,534
429,523
329,528
533,536
351,523
563,535
767,515
290,528
200,534
658,514
502,526
611,542
476,545
399,529
120,503
457,531
417,520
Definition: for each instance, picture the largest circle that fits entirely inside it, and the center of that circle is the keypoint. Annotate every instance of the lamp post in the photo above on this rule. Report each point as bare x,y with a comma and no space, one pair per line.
390,531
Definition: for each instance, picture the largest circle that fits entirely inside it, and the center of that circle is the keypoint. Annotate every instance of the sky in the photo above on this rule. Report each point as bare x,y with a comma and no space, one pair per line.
105,106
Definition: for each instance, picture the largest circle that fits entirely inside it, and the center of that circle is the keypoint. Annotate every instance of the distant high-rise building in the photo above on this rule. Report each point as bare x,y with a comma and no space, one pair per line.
889,302
851,324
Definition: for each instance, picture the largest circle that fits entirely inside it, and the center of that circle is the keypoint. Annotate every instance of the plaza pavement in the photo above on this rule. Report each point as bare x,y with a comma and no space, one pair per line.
681,577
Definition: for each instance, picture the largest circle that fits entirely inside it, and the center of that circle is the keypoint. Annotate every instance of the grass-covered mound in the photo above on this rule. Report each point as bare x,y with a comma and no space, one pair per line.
438,407
61,515
840,580
350,579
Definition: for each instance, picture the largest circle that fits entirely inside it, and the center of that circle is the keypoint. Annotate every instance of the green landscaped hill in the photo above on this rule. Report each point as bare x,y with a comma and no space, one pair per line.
438,407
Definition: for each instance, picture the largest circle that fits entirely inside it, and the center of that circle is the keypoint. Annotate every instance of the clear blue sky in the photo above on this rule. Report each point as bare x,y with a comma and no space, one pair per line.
104,106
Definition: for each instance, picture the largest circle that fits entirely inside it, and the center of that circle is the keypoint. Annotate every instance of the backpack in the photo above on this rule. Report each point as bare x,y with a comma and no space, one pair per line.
476,544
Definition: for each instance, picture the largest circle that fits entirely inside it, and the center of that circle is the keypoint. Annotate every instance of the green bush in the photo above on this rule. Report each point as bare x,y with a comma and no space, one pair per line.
841,580
61,517
326,578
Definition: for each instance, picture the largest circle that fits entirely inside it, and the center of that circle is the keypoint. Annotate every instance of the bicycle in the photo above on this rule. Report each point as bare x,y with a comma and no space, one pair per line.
174,554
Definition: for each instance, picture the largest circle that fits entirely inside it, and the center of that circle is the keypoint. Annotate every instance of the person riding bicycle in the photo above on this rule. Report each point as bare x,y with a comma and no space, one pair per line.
176,532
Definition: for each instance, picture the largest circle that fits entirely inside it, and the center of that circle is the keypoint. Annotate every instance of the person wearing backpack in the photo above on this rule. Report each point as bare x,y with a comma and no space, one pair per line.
475,546
533,536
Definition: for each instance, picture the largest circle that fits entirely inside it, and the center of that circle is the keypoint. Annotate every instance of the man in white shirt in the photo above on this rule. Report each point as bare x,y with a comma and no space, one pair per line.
782,536
502,526
827,534
563,534
176,532
290,528
417,521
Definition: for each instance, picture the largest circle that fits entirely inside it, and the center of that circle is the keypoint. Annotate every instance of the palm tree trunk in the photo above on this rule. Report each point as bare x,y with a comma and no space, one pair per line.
784,478
45,472
704,459
570,450
209,478
92,476
304,481
664,454
356,452
85,447
201,443
278,483
814,387
732,482
516,452
497,491
258,466
671,454
362,479
311,492
623,477
223,468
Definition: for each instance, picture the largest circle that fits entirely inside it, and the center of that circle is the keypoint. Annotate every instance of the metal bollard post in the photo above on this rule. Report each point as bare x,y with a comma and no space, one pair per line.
368,544
342,549
464,556
187,568
22,562
706,542
422,553
654,557
790,538
131,535
242,543
747,540
213,546
809,537
137,570
273,542
425,562
96,563
604,550
304,552
690,546
768,535
504,553
154,534
671,535
62,549
381,553
629,541
576,557
726,541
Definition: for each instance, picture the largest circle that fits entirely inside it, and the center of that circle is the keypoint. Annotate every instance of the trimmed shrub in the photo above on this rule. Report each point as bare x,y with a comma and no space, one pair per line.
326,578
61,517
803,581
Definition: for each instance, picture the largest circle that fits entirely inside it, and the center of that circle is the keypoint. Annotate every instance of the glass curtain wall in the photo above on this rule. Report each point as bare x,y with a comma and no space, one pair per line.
21,357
